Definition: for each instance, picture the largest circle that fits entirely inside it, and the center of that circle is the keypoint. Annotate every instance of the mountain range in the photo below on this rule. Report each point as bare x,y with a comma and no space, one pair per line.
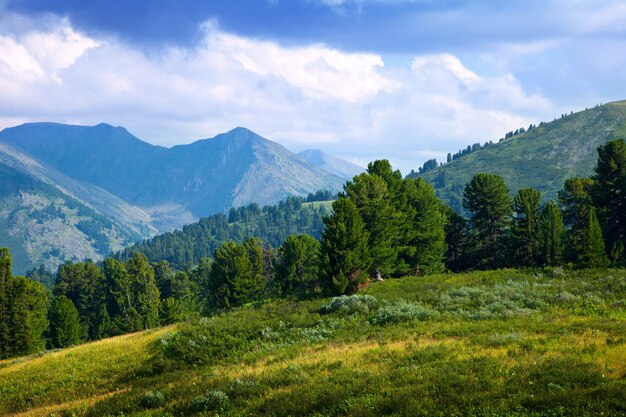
104,188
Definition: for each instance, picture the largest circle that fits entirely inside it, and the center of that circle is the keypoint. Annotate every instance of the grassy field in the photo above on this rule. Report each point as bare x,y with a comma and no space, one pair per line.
496,343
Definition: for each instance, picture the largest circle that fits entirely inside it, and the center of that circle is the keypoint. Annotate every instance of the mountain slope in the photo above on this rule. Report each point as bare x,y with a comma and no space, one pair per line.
185,181
43,225
542,157
336,166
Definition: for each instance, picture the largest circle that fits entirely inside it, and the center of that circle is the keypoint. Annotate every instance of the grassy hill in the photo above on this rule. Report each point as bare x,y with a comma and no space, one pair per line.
479,344
541,158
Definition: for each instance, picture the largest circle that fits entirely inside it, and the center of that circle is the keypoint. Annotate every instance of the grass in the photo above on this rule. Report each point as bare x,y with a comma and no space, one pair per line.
494,343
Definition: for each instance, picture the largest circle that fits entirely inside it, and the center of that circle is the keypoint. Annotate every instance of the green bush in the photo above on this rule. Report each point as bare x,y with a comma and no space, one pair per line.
350,304
403,311
215,400
152,399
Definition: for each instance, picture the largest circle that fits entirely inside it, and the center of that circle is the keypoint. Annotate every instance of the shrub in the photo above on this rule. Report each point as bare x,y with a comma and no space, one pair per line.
350,304
215,400
152,399
402,311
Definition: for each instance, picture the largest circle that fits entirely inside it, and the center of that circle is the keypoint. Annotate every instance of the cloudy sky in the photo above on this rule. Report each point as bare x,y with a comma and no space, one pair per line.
406,80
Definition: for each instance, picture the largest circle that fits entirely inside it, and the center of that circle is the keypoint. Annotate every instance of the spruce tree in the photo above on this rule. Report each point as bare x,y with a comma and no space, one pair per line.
65,328
345,258
486,196
609,195
593,253
233,279
552,231
526,231
28,316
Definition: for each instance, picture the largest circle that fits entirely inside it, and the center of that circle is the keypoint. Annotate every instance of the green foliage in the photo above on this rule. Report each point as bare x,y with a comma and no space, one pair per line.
236,275
370,195
526,233
297,265
552,231
403,311
593,251
215,400
271,224
350,304
23,310
576,205
65,329
486,196
610,195
145,291
345,256
423,235
152,399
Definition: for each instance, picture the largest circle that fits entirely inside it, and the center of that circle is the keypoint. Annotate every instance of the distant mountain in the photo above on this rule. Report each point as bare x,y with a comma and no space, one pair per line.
43,224
542,157
177,185
336,166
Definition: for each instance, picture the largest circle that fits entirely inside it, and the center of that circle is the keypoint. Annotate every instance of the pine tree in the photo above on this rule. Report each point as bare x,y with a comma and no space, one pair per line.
576,205
28,316
424,245
525,231
345,258
5,283
593,253
65,328
145,292
298,265
609,195
487,198
372,199
552,231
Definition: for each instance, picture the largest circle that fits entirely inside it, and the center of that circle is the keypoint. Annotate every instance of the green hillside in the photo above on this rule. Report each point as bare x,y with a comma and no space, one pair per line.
272,224
542,157
501,343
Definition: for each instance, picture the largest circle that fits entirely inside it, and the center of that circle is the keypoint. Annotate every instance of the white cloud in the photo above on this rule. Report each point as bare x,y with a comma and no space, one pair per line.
351,104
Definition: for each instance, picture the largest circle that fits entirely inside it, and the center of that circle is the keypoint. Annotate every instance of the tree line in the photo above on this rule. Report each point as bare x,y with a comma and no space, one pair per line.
381,225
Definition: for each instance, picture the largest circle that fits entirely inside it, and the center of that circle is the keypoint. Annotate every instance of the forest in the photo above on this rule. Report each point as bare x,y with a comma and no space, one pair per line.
381,224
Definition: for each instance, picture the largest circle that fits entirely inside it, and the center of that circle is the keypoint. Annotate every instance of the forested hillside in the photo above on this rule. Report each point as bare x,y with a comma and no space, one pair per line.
272,224
542,157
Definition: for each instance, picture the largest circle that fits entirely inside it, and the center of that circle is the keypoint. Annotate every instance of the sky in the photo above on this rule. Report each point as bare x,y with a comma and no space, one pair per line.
405,80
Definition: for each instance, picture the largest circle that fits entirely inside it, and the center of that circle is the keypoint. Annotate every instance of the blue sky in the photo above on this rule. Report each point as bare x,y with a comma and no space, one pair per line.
405,80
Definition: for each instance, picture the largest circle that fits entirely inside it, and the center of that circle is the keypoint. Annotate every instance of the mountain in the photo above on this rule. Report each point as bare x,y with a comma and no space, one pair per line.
542,157
176,185
42,224
336,166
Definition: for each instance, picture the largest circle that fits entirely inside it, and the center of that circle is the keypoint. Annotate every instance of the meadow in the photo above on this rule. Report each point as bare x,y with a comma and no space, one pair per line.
500,343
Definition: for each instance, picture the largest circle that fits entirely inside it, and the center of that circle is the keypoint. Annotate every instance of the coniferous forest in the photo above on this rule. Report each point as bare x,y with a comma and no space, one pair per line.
380,225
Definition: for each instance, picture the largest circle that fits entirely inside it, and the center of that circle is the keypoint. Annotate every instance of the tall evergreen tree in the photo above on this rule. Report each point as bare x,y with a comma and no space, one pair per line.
65,329
372,199
576,205
145,292
5,284
234,279
526,231
457,241
552,231
424,245
345,258
298,265
593,253
486,196
609,195
28,316
81,282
